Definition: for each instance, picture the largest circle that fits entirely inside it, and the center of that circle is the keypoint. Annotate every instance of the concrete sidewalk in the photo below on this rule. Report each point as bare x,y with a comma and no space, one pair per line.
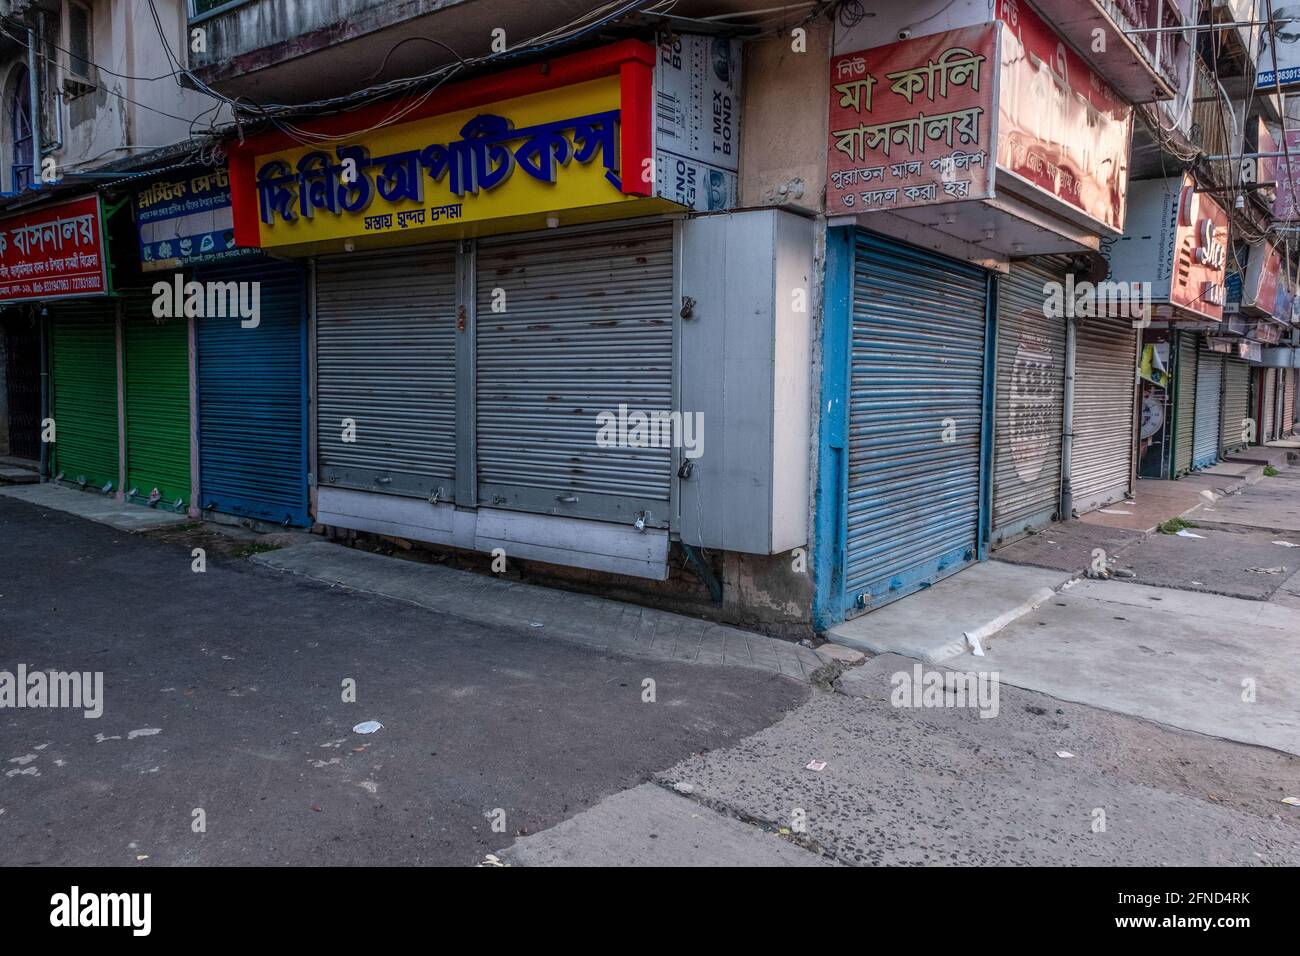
545,612
94,506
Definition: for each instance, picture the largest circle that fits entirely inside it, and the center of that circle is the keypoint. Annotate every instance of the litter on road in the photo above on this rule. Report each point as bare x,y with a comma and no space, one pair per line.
367,727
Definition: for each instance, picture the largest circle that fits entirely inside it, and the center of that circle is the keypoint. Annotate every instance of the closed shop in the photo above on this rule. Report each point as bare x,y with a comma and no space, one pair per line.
83,359
915,420
1029,401
1185,401
1235,420
583,325
1288,401
1209,384
1268,404
386,372
1105,390
155,355
252,399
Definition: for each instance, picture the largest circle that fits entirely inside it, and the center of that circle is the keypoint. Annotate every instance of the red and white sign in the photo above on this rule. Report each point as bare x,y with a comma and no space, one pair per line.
911,123
1200,254
56,252
1060,127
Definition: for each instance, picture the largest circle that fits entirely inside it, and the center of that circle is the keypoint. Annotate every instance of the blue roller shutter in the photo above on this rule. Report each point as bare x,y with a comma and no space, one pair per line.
253,399
916,420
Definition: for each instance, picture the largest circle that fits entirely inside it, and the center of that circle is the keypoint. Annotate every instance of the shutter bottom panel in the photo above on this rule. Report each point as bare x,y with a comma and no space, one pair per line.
915,419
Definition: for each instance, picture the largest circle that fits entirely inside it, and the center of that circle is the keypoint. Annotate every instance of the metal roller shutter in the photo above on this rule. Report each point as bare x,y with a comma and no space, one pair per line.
83,356
252,395
21,384
1184,402
1235,417
583,324
1209,385
386,359
1288,402
1269,405
1105,390
1030,400
916,413
156,358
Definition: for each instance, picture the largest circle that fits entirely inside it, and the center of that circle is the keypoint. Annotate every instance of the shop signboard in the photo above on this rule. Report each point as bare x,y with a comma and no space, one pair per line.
55,252
533,147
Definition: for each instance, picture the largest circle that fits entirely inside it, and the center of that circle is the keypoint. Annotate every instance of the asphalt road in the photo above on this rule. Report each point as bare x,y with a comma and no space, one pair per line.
223,693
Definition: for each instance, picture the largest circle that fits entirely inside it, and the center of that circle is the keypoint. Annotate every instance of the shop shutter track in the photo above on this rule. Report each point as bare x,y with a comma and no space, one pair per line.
1209,383
1105,390
1185,401
1029,402
252,398
83,345
918,357
156,356
386,358
583,324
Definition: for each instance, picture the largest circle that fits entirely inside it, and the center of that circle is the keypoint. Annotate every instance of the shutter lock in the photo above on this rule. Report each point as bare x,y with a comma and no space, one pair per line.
688,307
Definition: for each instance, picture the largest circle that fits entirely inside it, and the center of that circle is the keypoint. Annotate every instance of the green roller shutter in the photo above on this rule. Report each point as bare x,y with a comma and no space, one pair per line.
157,404
83,354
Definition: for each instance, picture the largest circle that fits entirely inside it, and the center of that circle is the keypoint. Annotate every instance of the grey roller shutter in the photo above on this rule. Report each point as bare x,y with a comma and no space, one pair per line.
1184,401
1209,384
386,359
1105,389
916,414
570,326
1236,405
1030,400
1270,405
1288,402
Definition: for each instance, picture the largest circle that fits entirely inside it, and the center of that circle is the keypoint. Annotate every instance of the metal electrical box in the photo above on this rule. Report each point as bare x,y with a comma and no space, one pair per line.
746,348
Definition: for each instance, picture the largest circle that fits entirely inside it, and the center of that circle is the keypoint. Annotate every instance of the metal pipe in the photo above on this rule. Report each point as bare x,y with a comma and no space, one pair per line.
43,332
1067,423
34,92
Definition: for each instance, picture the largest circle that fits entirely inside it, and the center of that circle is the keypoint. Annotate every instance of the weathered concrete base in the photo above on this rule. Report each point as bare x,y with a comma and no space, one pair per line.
545,612
647,826
932,625
92,506
1176,657
10,475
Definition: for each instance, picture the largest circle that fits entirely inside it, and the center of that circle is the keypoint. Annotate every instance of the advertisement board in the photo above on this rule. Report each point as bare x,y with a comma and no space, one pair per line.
56,252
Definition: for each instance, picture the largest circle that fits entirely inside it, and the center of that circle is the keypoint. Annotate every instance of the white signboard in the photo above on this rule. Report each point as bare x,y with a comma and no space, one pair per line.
697,120
1279,60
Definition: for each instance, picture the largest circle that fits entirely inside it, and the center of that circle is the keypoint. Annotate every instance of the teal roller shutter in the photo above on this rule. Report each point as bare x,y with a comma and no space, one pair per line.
83,355
252,399
156,355
915,420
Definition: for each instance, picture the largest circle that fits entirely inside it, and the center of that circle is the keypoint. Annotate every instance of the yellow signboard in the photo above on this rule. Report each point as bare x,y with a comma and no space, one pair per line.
534,155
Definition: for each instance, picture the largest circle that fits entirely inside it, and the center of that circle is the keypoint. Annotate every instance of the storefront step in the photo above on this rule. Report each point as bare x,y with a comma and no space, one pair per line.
545,612
932,624
93,506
